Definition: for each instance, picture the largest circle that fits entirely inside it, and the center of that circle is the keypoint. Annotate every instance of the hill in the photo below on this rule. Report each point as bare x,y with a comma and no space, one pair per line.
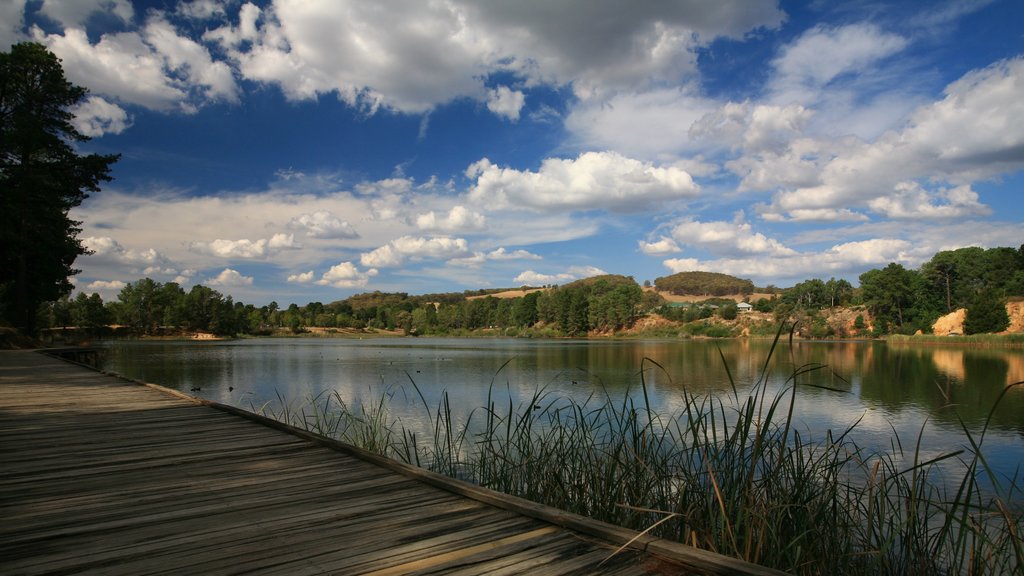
703,284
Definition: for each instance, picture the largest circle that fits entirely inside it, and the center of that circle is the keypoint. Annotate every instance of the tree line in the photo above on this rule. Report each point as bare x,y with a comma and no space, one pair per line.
896,299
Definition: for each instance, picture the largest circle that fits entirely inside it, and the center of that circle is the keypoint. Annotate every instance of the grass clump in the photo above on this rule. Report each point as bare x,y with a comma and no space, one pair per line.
732,474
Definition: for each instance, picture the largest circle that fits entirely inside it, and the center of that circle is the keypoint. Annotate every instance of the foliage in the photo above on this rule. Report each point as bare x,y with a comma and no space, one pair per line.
703,284
898,301
986,313
43,177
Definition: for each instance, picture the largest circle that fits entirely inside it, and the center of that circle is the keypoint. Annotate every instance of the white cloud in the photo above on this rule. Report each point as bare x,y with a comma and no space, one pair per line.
187,59
835,261
157,68
75,13
532,278
202,9
972,133
108,285
592,181
823,55
728,238
346,275
910,200
459,219
323,224
229,278
659,248
106,248
245,248
397,251
645,125
12,20
502,254
438,52
815,215
505,102
301,278
95,117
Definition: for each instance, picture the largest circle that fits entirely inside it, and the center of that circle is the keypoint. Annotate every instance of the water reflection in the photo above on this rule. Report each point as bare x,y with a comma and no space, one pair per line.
901,388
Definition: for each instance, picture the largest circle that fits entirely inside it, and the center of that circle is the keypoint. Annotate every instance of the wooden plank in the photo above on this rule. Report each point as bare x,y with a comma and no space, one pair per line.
446,557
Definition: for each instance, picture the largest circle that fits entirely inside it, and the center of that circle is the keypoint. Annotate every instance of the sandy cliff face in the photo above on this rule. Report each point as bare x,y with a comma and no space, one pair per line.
1016,313
953,323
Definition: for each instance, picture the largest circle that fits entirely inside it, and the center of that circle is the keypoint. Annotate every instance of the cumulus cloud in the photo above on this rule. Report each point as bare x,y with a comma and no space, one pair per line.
728,238
95,117
76,13
439,52
532,278
108,285
323,224
643,125
970,134
245,248
397,251
346,275
458,219
106,248
12,20
592,181
499,254
155,68
229,278
301,278
505,102
910,200
660,247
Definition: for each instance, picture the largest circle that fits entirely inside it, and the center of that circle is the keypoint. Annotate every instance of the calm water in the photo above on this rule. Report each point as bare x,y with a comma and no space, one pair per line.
901,388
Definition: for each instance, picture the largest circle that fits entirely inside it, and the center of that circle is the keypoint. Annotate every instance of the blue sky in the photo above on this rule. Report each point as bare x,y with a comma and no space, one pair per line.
298,151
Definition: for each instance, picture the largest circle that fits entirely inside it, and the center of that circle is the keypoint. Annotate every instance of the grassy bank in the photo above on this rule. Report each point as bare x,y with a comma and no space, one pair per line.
735,475
973,340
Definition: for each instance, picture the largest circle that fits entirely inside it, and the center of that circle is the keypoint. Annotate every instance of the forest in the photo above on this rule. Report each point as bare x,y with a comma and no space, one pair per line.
897,300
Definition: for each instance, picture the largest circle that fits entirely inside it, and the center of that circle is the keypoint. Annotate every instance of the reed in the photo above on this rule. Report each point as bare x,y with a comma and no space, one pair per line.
734,475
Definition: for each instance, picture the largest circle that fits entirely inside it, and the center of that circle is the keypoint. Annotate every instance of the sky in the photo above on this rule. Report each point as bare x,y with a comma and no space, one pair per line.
303,150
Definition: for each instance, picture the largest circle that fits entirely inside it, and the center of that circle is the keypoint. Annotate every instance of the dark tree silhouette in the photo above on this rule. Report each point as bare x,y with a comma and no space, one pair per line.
42,177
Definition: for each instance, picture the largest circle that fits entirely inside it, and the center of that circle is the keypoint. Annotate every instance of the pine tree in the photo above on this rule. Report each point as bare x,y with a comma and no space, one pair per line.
986,313
42,178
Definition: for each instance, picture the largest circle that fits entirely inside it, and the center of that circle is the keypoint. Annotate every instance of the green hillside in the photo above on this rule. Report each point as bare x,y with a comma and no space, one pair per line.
703,284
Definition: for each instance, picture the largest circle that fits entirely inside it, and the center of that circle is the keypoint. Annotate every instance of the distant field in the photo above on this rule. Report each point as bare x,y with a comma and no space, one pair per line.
508,294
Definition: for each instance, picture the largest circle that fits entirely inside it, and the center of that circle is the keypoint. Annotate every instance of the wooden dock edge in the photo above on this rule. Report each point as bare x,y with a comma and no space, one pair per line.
689,557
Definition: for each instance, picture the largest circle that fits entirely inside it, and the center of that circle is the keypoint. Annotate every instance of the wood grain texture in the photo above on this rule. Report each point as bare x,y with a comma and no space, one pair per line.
100,475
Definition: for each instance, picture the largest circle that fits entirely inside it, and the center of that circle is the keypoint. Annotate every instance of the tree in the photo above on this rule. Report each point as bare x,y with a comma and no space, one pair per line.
986,313
840,291
42,177
888,292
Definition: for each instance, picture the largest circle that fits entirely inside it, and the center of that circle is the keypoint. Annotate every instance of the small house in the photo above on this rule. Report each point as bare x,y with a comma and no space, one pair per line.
744,307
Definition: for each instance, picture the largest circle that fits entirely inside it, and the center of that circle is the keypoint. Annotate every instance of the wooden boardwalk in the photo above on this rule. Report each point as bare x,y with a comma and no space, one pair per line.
99,475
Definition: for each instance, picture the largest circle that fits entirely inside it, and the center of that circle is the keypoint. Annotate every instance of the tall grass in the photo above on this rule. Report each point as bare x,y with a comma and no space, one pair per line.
732,474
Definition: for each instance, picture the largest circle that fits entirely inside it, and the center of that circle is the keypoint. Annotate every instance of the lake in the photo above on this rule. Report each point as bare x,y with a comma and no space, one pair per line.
901,388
